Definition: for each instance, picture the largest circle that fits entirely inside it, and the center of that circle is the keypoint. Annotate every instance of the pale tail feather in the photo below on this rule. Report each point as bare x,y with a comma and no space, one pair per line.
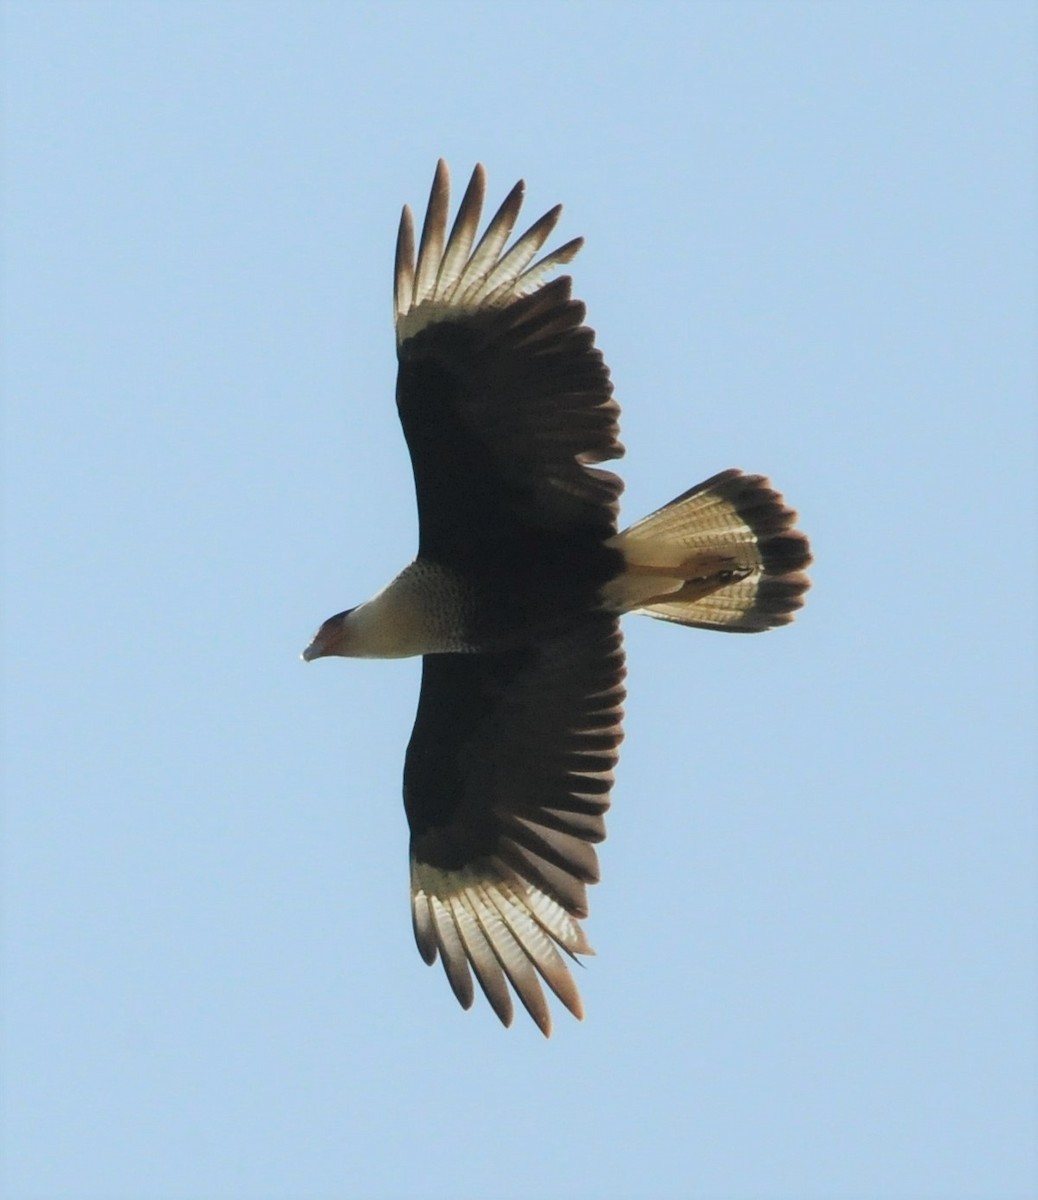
724,555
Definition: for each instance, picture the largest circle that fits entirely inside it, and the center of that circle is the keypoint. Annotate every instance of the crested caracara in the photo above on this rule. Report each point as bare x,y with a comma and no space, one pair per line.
515,595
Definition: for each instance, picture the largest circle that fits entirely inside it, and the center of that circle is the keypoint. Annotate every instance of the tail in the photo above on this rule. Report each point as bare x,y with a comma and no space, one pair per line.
723,555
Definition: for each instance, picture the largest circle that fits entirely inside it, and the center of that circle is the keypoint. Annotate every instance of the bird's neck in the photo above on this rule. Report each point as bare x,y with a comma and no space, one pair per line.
419,612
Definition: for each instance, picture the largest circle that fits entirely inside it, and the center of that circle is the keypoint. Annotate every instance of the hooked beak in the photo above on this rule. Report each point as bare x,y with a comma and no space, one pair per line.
328,639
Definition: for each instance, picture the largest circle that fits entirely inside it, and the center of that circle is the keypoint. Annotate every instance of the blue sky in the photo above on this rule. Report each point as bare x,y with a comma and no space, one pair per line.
811,251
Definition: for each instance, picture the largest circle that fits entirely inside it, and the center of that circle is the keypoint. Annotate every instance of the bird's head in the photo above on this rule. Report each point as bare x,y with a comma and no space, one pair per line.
333,638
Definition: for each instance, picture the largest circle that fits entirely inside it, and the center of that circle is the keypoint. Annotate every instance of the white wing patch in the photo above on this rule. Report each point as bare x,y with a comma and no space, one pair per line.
449,278
504,928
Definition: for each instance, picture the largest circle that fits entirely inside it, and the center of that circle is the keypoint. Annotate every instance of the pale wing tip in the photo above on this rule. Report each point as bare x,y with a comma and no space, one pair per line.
478,922
403,274
569,250
424,932
478,180
451,280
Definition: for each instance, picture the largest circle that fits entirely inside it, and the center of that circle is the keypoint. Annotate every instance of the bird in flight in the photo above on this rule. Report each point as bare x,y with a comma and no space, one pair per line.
514,598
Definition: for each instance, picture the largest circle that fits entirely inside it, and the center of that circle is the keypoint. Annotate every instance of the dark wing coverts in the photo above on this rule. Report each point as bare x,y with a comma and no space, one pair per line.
504,403
506,784
502,396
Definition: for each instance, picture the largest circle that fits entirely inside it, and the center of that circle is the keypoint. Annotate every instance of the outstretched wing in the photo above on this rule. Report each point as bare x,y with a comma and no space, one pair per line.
503,398
506,784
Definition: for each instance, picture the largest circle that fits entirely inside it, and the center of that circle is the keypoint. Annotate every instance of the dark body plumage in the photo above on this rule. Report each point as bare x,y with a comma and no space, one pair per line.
515,596
476,410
